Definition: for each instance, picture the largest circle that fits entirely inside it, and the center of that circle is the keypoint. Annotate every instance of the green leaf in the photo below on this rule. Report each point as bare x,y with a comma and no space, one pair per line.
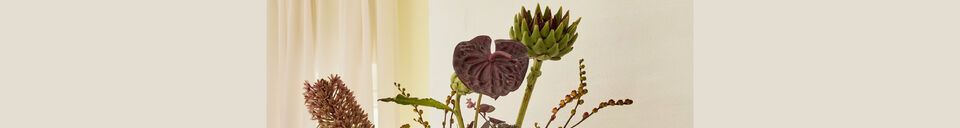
555,50
547,14
574,39
513,34
429,102
539,46
551,38
523,27
565,40
516,24
545,30
573,27
562,27
555,58
527,40
536,31
557,35
565,51
559,16
536,15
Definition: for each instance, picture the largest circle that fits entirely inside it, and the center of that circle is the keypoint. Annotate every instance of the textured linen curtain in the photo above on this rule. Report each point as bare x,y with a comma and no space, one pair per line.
311,39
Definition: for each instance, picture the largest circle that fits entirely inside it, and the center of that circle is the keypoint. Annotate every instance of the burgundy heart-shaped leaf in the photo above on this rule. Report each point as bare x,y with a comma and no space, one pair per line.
493,74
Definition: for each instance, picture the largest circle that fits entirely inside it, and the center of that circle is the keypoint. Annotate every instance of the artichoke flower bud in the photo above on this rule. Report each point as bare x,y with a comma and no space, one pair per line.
547,36
457,85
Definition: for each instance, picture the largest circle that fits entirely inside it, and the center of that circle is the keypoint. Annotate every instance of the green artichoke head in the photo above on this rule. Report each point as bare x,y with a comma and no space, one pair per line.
547,35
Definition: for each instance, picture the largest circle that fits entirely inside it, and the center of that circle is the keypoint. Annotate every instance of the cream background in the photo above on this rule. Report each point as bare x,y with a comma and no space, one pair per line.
132,64
633,49
122,64
826,64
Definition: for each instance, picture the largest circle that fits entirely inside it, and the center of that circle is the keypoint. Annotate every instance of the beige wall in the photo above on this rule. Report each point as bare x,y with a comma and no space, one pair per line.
638,49
132,64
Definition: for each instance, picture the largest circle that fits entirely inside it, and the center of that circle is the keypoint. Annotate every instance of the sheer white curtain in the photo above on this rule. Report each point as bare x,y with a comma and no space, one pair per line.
311,39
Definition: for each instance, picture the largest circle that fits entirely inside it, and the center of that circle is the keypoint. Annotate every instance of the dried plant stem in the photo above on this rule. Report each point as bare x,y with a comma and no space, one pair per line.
419,118
531,81
572,112
548,123
456,106
443,124
602,105
476,109
581,120
578,122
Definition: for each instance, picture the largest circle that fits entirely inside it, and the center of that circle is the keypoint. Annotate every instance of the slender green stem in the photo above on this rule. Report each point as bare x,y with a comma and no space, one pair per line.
476,108
456,106
531,81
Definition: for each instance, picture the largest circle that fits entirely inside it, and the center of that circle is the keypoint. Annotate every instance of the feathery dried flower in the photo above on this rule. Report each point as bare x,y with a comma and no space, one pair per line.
333,105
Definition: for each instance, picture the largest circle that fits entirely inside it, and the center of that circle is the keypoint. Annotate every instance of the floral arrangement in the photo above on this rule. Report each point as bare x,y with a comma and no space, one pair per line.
536,36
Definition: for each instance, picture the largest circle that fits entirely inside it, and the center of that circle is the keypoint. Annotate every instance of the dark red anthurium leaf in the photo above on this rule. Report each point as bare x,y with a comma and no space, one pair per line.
493,74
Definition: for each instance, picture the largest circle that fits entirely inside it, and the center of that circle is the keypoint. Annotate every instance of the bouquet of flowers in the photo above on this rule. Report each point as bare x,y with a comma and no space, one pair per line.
536,36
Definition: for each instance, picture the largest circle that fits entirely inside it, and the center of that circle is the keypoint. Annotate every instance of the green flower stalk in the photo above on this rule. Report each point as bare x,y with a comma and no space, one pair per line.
548,36
459,90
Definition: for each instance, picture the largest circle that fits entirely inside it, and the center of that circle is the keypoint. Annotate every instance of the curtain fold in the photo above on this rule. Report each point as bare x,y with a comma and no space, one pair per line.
370,43
311,39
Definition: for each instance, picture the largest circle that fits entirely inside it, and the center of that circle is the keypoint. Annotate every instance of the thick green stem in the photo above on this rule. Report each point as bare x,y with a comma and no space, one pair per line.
456,107
531,81
476,107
